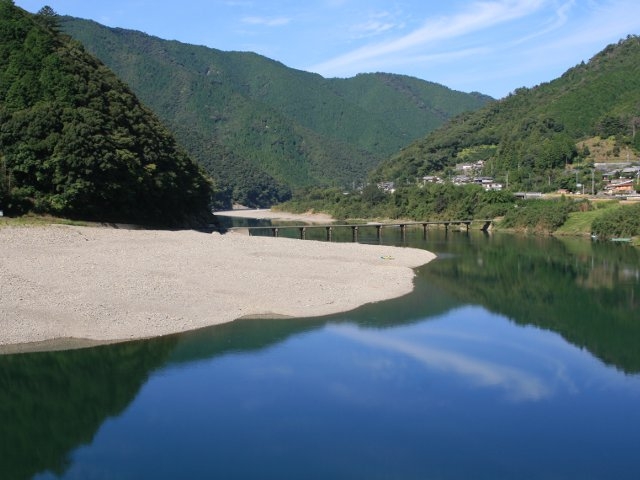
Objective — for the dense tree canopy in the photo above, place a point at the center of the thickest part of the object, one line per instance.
(74, 141)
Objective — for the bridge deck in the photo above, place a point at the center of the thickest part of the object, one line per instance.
(275, 229)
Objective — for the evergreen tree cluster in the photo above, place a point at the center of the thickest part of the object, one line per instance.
(76, 142)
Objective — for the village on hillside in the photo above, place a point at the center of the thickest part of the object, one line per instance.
(617, 179)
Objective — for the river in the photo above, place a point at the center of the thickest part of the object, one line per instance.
(513, 357)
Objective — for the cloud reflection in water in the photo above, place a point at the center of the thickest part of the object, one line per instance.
(520, 384)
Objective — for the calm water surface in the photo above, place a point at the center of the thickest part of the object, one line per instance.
(513, 358)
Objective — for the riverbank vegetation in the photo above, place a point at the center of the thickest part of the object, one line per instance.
(558, 215)
(622, 222)
(433, 201)
(29, 220)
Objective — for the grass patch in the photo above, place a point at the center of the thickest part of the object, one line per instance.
(579, 223)
(38, 220)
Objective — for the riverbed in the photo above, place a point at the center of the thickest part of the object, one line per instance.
(513, 357)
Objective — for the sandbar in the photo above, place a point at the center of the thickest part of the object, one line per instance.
(267, 213)
(93, 284)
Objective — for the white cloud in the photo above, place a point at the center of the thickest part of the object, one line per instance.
(372, 27)
(436, 58)
(559, 18)
(376, 24)
(479, 16)
(269, 22)
(602, 23)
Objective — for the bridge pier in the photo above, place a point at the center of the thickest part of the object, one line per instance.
(354, 233)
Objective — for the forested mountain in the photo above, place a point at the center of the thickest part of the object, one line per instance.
(76, 142)
(261, 128)
(529, 138)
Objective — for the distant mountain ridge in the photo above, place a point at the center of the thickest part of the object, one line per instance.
(528, 139)
(261, 128)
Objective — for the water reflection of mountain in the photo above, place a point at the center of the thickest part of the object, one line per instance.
(588, 293)
(53, 402)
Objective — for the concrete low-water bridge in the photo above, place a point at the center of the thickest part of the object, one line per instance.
(356, 227)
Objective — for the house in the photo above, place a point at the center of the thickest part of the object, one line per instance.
(470, 167)
(488, 183)
(611, 166)
(619, 187)
(431, 179)
(388, 187)
(630, 172)
(462, 180)
(492, 186)
(464, 167)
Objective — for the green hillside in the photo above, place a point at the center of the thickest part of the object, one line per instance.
(75, 141)
(530, 138)
(261, 128)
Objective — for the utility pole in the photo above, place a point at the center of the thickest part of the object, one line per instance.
(5, 185)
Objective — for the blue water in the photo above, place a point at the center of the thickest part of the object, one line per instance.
(440, 384)
(465, 395)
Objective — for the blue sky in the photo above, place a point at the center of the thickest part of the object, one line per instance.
(490, 46)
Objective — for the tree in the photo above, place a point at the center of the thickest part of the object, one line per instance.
(4, 187)
(610, 126)
(635, 123)
(49, 18)
(372, 194)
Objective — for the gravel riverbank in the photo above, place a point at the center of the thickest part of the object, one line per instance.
(104, 284)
